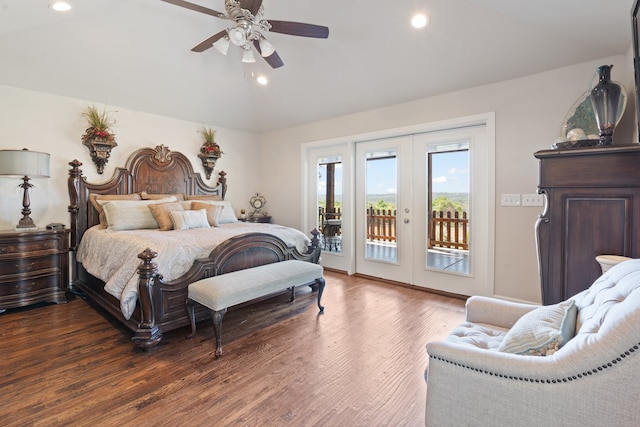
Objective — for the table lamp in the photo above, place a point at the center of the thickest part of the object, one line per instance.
(24, 163)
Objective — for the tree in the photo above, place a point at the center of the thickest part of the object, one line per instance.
(444, 204)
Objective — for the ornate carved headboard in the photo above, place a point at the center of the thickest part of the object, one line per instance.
(154, 170)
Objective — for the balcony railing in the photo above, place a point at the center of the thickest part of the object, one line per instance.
(381, 225)
(447, 229)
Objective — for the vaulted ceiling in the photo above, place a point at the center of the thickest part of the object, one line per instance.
(136, 54)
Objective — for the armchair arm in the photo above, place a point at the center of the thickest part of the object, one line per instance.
(499, 364)
(496, 312)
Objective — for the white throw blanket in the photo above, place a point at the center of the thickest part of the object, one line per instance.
(112, 256)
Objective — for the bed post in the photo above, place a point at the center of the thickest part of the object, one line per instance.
(148, 334)
(74, 176)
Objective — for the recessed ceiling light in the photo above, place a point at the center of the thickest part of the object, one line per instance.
(420, 20)
(60, 6)
(262, 80)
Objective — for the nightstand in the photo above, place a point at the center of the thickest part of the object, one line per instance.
(262, 219)
(34, 267)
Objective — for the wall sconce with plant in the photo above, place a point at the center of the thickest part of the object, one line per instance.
(98, 137)
(210, 151)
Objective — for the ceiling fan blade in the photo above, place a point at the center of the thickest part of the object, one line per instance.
(197, 8)
(251, 5)
(207, 43)
(273, 59)
(299, 29)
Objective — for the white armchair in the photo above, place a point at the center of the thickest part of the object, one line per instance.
(592, 380)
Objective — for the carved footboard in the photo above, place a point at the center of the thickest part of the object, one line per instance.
(162, 304)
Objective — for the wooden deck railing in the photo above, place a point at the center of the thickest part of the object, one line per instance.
(381, 225)
(447, 230)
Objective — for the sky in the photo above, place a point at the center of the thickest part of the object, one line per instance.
(450, 175)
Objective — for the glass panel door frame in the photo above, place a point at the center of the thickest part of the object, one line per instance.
(310, 155)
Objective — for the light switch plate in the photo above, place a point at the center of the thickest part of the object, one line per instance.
(510, 200)
(532, 200)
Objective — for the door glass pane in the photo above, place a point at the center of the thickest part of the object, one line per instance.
(382, 201)
(329, 203)
(448, 210)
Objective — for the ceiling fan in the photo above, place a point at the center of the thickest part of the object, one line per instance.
(249, 29)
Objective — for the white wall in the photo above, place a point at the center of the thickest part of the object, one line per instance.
(54, 124)
(529, 113)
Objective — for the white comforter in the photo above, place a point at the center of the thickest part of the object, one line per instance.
(112, 256)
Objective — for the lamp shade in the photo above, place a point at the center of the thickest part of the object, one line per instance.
(247, 56)
(24, 163)
(222, 45)
(266, 48)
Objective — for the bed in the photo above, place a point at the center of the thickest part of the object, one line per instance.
(159, 293)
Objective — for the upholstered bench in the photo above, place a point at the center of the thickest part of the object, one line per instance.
(218, 293)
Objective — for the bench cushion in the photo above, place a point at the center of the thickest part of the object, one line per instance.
(233, 288)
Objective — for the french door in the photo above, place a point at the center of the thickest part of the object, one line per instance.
(384, 208)
(423, 210)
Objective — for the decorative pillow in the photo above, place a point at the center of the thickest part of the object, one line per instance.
(228, 215)
(94, 198)
(543, 331)
(130, 214)
(146, 196)
(185, 220)
(202, 197)
(213, 212)
(160, 212)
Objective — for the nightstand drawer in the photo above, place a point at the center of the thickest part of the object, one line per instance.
(29, 290)
(27, 265)
(48, 243)
(30, 284)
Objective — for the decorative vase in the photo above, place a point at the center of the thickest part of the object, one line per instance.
(607, 103)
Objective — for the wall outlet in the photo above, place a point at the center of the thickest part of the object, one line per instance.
(532, 200)
(510, 200)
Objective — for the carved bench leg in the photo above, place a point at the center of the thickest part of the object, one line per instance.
(293, 293)
(320, 282)
(192, 316)
(217, 328)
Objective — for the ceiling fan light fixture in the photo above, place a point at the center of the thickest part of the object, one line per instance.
(266, 48)
(222, 45)
(247, 56)
(237, 36)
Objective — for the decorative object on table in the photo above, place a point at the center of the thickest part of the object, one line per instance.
(98, 137)
(243, 213)
(608, 104)
(210, 151)
(580, 128)
(257, 202)
(248, 30)
(24, 163)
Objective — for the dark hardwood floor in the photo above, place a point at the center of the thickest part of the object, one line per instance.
(361, 363)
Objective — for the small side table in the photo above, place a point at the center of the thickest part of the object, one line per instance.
(261, 219)
(34, 267)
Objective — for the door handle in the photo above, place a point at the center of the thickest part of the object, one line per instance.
(406, 220)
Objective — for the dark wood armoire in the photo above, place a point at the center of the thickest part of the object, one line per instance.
(592, 208)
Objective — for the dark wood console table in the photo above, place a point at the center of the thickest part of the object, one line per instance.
(593, 208)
